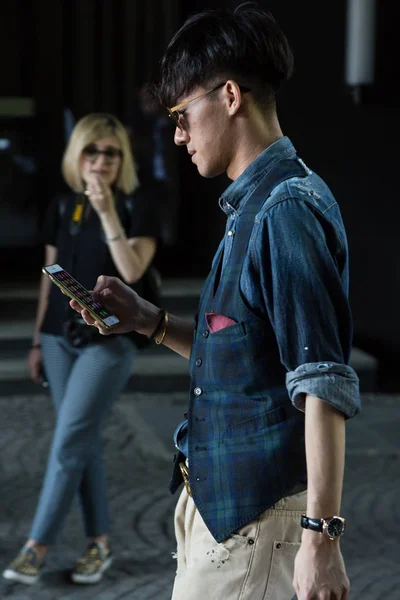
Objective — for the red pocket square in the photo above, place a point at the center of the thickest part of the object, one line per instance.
(216, 322)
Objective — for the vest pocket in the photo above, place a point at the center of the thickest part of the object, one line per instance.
(258, 423)
(233, 332)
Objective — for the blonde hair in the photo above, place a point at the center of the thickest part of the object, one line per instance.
(87, 130)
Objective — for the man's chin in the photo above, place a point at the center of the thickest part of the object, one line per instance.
(209, 173)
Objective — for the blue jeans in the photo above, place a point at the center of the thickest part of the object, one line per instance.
(84, 383)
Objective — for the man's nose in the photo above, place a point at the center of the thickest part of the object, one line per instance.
(181, 137)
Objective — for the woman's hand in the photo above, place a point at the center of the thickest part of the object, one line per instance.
(99, 194)
(35, 363)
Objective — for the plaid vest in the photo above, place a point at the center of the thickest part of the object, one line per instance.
(246, 440)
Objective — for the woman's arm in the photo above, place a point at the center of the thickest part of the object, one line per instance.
(35, 354)
(131, 256)
(44, 290)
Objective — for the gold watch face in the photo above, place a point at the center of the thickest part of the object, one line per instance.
(334, 527)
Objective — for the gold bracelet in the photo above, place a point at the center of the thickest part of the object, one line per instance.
(159, 323)
(160, 341)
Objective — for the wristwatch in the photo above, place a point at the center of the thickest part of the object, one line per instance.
(332, 527)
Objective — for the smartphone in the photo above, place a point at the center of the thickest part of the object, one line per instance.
(75, 290)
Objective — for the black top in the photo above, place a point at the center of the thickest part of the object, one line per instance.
(83, 251)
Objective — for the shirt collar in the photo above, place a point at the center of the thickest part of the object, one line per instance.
(236, 195)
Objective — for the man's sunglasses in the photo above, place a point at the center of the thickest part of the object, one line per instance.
(92, 153)
(175, 111)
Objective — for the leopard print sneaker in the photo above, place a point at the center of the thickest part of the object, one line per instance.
(25, 568)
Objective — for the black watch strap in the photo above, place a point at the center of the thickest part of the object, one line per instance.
(313, 524)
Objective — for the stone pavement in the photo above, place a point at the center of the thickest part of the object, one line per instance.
(371, 545)
(138, 452)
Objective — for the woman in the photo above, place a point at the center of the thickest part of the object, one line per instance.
(105, 224)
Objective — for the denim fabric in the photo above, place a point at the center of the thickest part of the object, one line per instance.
(84, 384)
(296, 273)
(327, 381)
(180, 437)
(245, 438)
(284, 280)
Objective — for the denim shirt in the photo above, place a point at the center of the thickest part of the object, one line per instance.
(296, 275)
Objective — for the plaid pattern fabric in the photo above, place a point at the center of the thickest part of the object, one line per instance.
(246, 440)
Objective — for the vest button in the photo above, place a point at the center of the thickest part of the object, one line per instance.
(198, 362)
(198, 391)
(206, 333)
(230, 233)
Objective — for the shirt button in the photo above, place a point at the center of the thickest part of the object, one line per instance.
(198, 362)
(198, 391)
(206, 333)
(230, 233)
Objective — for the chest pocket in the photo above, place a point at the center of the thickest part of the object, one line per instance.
(237, 357)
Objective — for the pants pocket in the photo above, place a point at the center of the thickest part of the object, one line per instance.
(280, 579)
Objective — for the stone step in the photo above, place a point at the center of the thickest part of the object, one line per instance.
(162, 384)
(147, 365)
(366, 367)
(157, 368)
(16, 334)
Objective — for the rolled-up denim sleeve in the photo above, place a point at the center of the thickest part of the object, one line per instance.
(336, 384)
(305, 280)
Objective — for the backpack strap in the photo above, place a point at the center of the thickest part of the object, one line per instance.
(62, 205)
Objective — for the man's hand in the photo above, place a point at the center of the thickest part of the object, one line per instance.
(121, 301)
(319, 571)
(137, 314)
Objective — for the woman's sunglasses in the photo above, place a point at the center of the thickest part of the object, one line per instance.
(92, 153)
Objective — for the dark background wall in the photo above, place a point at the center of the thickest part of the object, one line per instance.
(91, 55)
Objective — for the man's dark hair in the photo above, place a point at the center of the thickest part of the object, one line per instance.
(245, 44)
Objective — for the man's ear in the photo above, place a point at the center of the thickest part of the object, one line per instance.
(233, 95)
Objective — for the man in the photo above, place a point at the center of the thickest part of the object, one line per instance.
(269, 350)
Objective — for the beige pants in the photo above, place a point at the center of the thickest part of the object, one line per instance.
(255, 564)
